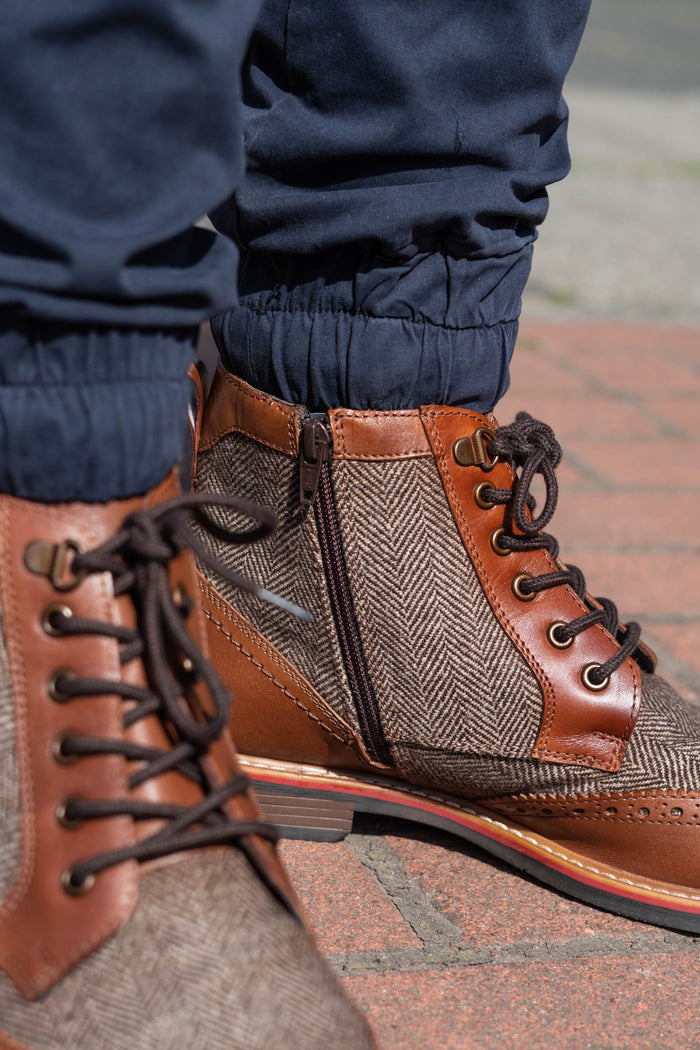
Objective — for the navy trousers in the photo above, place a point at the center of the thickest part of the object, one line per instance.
(397, 155)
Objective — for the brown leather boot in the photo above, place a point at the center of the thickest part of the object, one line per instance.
(142, 903)
(456, 672)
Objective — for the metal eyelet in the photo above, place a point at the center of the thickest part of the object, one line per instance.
(73, 888)
(495, 536)
(54, 610)
(57, 751)
(516, 587)
(555, 642)
(595, 687)
(479, 491)
(52, 686)
(71, 823)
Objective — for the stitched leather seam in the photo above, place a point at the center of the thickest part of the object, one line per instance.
(596, 804)
(636, 700)
(291, 430)
(341, 427)
(271, 677)
(607, 818)
(605, 736)
(270, 405)
(371, 413)
(607, 796)
(378, 457)
(582, 760)
(262, 643)
(409, 453)
(234, 428)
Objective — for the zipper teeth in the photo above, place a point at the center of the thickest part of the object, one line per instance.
(346, 623)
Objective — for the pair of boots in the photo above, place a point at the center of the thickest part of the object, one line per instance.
(454, 672)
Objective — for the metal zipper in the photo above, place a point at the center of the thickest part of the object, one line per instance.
(314, 450)
(316, 490)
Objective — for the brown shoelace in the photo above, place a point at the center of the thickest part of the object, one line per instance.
(530, 448)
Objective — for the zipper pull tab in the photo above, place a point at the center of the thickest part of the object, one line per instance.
(314, 451)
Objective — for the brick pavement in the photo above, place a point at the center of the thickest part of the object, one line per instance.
(445, 947)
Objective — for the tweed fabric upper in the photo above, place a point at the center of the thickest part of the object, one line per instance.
(445, 674)
(288, 562)
(10, 816)
(208, 961)
(663, 753)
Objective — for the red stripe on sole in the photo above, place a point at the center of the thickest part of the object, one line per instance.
(495, 828)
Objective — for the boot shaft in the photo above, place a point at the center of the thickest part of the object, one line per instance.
(421, 641)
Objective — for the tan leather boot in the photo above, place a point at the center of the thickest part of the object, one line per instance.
(456, 673)
(142, 903)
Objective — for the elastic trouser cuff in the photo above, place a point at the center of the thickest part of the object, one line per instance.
(90, 415)
(340, 360)
(427, 330)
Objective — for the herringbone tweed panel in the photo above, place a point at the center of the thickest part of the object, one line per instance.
(288, 562)
(10, 826)
(663, 753)
(209, 961)
(445, 674)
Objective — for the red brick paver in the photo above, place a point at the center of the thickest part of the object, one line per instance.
(613, 1003)
(495, 908)
(367, 919)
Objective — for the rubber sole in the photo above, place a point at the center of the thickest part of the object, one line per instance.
(309, 802)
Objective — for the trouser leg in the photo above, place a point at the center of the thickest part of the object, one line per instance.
(397, 164)
(120, 126)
